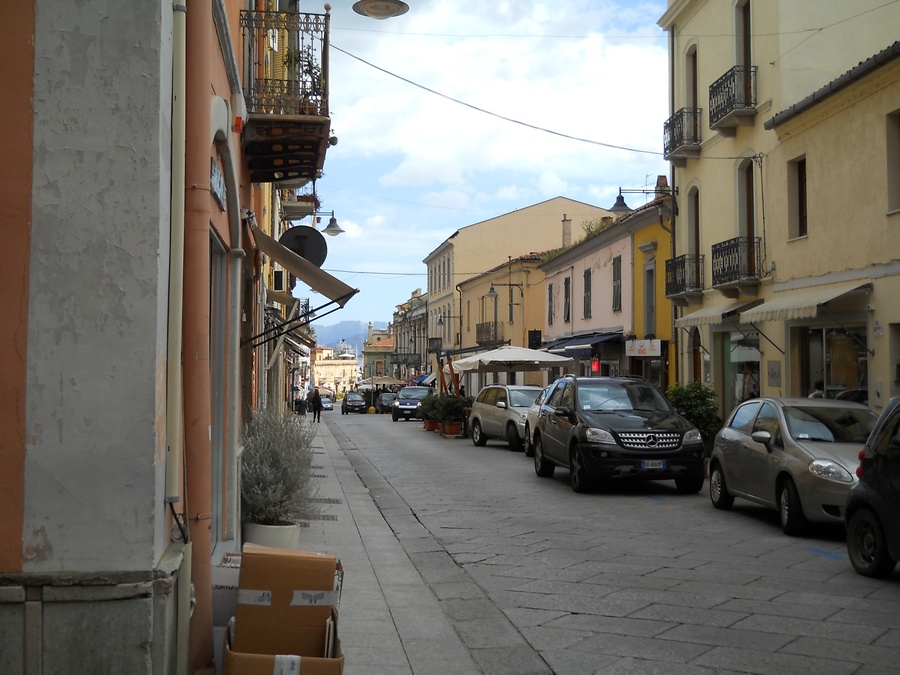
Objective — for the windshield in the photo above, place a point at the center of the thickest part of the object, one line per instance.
(355, 397)
(831, 424)
(611, 396)
(417, 393)
(522, 398)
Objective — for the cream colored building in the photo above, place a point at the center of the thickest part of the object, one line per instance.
(475, 248)
(337, 372)
(784, 152)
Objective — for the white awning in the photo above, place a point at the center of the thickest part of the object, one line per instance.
(714, 314)
(333, 289)
(798, 304)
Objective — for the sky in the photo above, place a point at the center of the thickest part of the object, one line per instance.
(462, 110)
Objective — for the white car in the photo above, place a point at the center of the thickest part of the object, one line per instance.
(531, 421)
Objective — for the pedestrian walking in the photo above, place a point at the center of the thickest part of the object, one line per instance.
(317, 406)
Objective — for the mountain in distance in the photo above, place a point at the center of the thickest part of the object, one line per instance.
(354, 333)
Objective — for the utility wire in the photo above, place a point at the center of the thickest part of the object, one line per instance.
(493, 114)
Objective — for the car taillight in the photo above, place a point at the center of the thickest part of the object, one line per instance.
(860, 470)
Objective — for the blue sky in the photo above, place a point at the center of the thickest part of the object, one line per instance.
(412, 166)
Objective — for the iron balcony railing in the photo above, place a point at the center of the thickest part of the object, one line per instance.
(488, 332)
(435, 345)
(681, 131)
(684, 275)
(732, 94)
(402, 359)
(735, 260)
(285, 62)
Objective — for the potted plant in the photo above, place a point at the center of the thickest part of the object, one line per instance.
(449, 411)
(278, 489)
(697, 404)
(428, 412)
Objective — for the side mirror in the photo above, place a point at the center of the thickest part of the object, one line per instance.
(763, 437)
(563, 411)
(501, 404)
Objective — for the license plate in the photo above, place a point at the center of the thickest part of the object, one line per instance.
(653, 464)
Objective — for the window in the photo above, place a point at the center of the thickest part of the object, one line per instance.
(893, 161)
(617, 284)
(797, 220)
(649, 301)
(587, 293)
(567, 295)
(549, 303)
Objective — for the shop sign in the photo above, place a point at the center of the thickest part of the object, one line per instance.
(643, 348)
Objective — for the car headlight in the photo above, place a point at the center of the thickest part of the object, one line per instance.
(599, 436)
(829, 470)
(396, 404)
(693, 436)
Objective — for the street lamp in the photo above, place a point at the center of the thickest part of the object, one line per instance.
(494, 295)
(332, 229)
(380, 9)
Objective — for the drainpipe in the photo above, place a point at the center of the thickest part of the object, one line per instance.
(197, 404)
(174, 401)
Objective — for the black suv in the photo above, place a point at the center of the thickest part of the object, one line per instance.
(601, 428)
(873, 505)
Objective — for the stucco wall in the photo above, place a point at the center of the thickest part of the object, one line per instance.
(97, 318)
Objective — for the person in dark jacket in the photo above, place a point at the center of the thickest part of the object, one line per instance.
(317, 406)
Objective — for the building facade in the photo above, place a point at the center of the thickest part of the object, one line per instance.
(759, 171)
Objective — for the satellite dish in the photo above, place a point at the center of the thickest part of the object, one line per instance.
(307, 242)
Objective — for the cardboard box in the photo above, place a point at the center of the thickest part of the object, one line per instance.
(285, 600)
(238, 663)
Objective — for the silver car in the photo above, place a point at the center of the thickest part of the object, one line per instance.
(499, 412)
(531, 418)
(795, 455)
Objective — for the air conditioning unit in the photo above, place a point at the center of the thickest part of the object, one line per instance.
(278, 281)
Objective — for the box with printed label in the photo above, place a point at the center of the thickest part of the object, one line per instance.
(286, 599)
(239, 663)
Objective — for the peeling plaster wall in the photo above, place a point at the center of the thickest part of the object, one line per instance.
(97, 319)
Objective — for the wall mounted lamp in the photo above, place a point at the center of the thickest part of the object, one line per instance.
(380, 9)
(332, 229)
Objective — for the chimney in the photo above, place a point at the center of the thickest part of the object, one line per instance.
(566, 231)
(662, 182)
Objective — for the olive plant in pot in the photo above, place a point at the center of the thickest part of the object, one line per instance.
(428, 412)
(449, 411)
(278, 489)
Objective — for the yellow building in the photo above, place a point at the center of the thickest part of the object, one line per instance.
(770, 176)
(484, 245)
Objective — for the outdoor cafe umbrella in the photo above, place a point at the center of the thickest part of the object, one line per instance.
(508, 359)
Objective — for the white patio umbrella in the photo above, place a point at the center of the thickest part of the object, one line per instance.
(508, 359)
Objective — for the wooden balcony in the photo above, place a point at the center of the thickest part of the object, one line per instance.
(288, 126)
(732, 100)
(681, 136)
(684, 279)
(736, 266)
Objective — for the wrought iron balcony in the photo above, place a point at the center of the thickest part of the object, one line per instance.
(732, 99)
(488, 332)
(681, 135)
(287, 129)
(401, 359)
(736, 265)
(684, 277)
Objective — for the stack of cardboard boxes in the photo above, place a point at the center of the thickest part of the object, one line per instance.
(286, 614)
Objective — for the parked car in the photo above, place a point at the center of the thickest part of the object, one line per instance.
(327, 403)
(531, 421)
(385, 401)
(604, 428)
(499, 412)
(857, 395)
(795, 455)
(353, 402)
(407, 403)
(872, 513)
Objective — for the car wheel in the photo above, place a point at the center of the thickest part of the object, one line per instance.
(792, 519)
(867, 546)
(528, 447)
(478, 437)
(718, 492)
(512, 437)
(542, 467)
(578, 476)
(690, 484)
